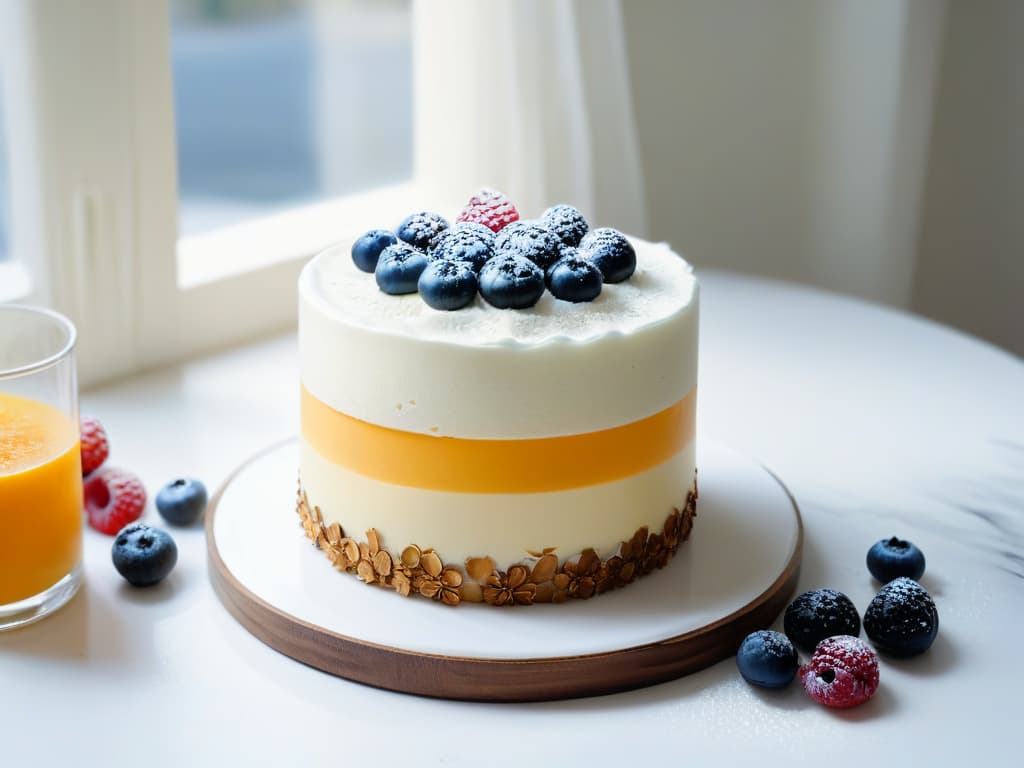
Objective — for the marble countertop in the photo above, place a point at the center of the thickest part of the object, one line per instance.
(880, 424)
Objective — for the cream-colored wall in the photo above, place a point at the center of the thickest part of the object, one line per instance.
(791, 139)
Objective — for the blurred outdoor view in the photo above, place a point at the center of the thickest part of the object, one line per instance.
(5, 186)
(284, 102)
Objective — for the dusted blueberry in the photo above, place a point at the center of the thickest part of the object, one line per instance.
(767, 659)
(611, 252)
(891, 558)
(366, 250)
(566, 222)
(902, 619)
(507, 233)
(465, 243)
(399, 268)
(818, 614)
(182, 501)
(574, 279)
(532, 240)
(143, 555)
(511, 282)
(422, 229)
(480, 229)
(448, 284)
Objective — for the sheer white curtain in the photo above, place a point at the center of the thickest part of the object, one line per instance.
(531, 97)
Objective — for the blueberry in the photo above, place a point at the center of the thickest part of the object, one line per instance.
(902, 619)
(480, 229)
(767, 659)
(422, 229)
(566, 223)
(818, 614)
(465, 243)
(511, 282)
(399, 268)
(448, 284)
(182, 501)
(611, 252)
(143, 555)
(889, 559)
(574, 279)
(366, 250)
(530, 239)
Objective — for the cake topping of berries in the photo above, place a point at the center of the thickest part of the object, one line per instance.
(566, 223)
(95, 446)
(367, 249)
(421, 230)
(574, 279)
(611, 252)
(891, 558)
(842, 672)
(767, 659)
(448, 285)
(464, 242)
(399, 268)
(489, 208)
(818, 614)
(511, 282)
(902, 619)
(533, 241)
(143, 555)
(113, 498)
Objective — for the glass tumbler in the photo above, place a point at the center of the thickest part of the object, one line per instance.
(40, 465)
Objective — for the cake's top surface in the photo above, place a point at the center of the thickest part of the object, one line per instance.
(662, 286)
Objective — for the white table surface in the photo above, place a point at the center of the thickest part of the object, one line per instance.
(879, 423)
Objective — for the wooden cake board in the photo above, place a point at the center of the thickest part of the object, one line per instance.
(734, 575)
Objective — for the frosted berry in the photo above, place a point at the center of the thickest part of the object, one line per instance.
(818, 614)
(143, 555)
(889, 559)
(490, 208)
(181, 501)
(421, 230)
(533, 241)
(511, 282)
(366, 250)
(902, 619)
(566, 223)
(574, 279)
(767, 659)
(611, 252)
(842, 672)
(113, 498)
(95, 446)
(448, 285)
(464, 242)
(399, 268)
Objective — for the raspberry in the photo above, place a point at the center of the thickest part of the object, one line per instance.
(113, 498)
(490, 208)
(843, 672)
(95, 447)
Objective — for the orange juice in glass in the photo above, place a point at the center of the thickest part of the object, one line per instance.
(40, 465)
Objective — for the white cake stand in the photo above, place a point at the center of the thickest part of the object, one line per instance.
(734, 575)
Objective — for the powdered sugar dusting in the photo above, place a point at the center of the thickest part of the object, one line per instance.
(662, 286)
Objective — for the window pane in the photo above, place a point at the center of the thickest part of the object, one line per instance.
(285, 102)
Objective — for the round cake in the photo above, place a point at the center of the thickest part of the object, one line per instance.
(503, 456)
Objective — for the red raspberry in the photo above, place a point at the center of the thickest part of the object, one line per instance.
(842, 672)
(113, 498)
(95, 447)
(490, 208)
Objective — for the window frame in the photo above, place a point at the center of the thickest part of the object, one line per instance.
(101, 153)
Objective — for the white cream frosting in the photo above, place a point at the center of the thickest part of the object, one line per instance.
(480, 372)
(503, 526)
